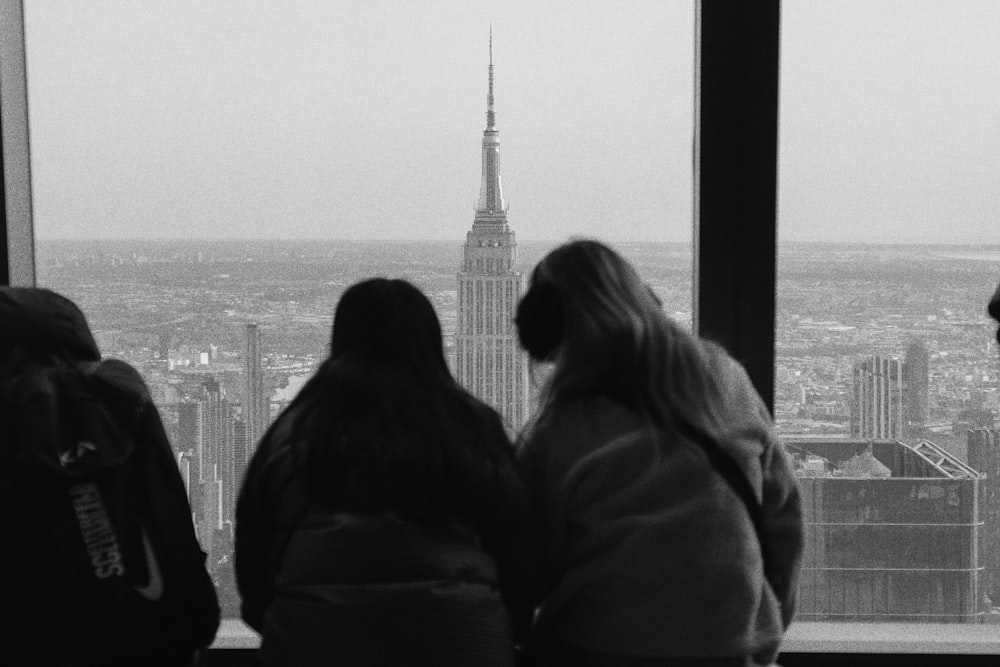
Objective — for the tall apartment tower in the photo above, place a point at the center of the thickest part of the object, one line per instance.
(255, 407)
(877, 399)
(488, 361)
(242, 449)
(916, 376)
(206, 435)
(191, 444)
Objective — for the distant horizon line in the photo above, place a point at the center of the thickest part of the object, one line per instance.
(988, 245)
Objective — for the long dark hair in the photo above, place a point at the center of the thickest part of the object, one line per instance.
(607, 334)
(383, 425)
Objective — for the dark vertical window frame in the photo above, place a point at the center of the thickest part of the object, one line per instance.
(4, 258)
(736, 180)
(737, 44)
(17, 256)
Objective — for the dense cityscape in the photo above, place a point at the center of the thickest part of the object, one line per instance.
(838, 304)
(887, 369)
(190, 316)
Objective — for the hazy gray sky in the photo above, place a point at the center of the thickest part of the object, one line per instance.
(890, 120)
(363, 119)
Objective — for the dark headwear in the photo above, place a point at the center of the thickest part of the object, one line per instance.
(45, 321)
(994, 309)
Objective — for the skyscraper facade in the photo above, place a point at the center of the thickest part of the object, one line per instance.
(190, 445)
(984, 456)
(877, 398)
(488, 361)
(916, 376)
(255, 408)
(208, 462)
(212, 450)
(893, 532)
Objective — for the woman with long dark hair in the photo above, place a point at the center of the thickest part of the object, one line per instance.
(374, 518)
(644, 438)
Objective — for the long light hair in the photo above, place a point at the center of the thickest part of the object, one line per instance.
(617, 342)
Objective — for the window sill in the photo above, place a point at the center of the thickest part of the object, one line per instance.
(923, 638)
(804, 637)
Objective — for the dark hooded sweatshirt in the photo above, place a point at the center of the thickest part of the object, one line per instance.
(44, 336)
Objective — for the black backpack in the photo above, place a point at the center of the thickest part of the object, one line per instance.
(99, 558)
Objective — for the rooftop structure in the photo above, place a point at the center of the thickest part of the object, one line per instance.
(892, 532)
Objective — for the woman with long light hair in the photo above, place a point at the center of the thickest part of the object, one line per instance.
(668, 515)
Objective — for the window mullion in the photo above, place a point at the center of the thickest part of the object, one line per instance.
(17, 254)
(735, 171)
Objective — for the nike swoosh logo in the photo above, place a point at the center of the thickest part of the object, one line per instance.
(153, 589)
(68, 457)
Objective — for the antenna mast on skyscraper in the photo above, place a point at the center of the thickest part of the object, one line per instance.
(490, 115)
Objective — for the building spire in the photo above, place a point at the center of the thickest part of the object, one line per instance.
(490, 194)
(490, 114)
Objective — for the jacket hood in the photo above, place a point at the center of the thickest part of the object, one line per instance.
(45, 320)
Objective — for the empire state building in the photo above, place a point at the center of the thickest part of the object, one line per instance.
(488, 361)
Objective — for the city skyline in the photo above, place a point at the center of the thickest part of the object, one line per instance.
(178, 311)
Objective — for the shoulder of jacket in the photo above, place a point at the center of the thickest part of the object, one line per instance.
(734, 382)
(748, 420)
(583, 419)
(274, 455)
(722, 362)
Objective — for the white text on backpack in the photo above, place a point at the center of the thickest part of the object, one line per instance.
(98, 533)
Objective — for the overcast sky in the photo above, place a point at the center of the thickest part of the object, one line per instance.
(293, 119)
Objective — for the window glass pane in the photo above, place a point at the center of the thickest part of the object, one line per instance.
(886, 387)
(209, 178)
